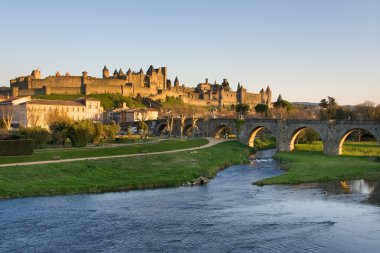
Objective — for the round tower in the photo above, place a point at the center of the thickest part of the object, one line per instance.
(269, 96)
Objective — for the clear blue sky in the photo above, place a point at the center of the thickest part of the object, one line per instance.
(305, 50)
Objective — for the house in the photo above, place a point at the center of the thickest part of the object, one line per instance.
(10, 110)
(38, 112)
(122, 115)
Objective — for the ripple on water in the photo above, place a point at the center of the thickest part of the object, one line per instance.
(227, 215)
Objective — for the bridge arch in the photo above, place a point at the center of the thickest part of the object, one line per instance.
(294, 134)
(161, 128)
(256, 130)
(188, 130)
(221, 130)
(342, 138)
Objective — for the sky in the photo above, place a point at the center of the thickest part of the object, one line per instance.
(304, 50)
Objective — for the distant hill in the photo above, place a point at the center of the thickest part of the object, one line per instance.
(308, 104)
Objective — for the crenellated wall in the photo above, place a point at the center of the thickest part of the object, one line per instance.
(153, 84)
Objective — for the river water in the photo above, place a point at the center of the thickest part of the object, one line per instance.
(229, 214)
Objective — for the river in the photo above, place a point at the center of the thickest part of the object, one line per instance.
(228, 214)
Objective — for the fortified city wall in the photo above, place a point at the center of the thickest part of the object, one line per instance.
(153, 84)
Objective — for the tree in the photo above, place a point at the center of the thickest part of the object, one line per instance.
(79, 134)
(98, 132)
(324, 103)
(308, 135)
(168, 113)
(55, 116)
(111, 130)
(242, 109)
(262, 109)
(7, 117)
(366, 111)
(142, 127)
(195, 112)
(183, 114)
(281, 105)
(59, 130)
(2, 125)
(331, 101)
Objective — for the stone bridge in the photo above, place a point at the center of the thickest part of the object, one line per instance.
(332, 133)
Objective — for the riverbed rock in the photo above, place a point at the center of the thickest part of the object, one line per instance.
(198, 181)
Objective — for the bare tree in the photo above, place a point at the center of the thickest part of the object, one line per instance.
(168, 113)
(196, 112)
(34, 118)
(7, 117)
(57, 116)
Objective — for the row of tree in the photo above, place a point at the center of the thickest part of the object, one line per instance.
(80, 133)
(331, 110)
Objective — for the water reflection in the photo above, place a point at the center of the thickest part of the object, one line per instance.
(369, 189)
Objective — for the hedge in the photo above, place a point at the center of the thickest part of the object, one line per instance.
(16, 147)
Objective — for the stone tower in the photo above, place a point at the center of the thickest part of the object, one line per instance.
(168, 84)
(106, 72)
(262, 96)
(36, 74)
(176, 84)
(269, 96)
(221, 93)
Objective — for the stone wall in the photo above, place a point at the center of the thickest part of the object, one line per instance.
(153, 84)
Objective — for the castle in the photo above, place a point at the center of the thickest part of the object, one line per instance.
(153, 84)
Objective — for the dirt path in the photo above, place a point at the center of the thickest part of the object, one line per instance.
(211, 143)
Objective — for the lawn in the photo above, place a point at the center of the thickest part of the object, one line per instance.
(50, 154)
(308, 164)
(364, 148)
(120, 174)
(265, 142)
(108, 101)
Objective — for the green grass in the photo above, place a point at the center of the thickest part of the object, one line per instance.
(364, 148)
(265, 142)
(119, 174)
(45, 155)
(307, 165)
(108, 101)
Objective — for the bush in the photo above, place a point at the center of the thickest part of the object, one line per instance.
(80, 134)
(16, 147)
(40, 136)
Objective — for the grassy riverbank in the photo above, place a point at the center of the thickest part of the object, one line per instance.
(119, 174)
(308, 165)
(51, 154)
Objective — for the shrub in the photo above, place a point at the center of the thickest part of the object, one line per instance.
(38, 134)
(16, 147)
